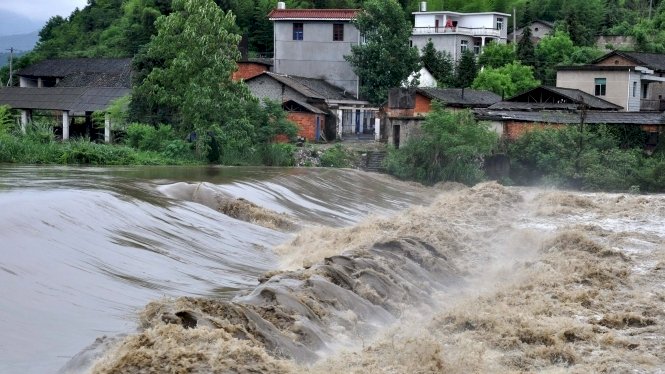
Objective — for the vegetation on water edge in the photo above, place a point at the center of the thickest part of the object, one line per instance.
(452, 146)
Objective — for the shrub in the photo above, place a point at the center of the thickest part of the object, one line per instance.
(451, 148)
(335, 157)
(278, 154)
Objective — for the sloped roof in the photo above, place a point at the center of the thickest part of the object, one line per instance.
(592, 117)
(76, 99)
(313, 14)
(303, 105)
(653, 61)
(120, 80)
(311, 88)
(59, 68)
(554, 95)
(453, 96)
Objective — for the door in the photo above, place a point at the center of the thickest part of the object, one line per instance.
(396, 136)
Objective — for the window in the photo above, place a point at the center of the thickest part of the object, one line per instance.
(634, 89)
(338, 32)
(601, 86)
(499, 23)
(476, 47)
(298, 31)
(645, 90)
(464, 45)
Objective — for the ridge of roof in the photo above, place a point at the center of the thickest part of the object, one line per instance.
(331, 14)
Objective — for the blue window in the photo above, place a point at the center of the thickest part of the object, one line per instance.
(600, 86)
(298, 31)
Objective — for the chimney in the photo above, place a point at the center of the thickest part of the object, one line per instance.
(281, 5)
(423, 6)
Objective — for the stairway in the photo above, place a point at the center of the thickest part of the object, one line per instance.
(375, 161)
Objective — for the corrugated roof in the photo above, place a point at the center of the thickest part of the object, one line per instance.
(551, 95)
(76, 99)
(453, 96)
(313, 14)
(58, 68)
(592, 117)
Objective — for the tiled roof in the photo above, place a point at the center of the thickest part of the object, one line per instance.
(311, 88)
(304, 105)
(592, 117)
(653, 61)
(453, 96)
(556, 95)
(314, 14)
(76, 99)
(60, 68)
(120, 80)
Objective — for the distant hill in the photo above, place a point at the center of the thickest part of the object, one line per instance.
(22, 42)
(14, 24)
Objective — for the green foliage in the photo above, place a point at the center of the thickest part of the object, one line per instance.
(6, 119)
(335, 157)
(466, 70)
(198, 49)
(590, 158)
(451, 148)
(506, 81)
(439, 63)
(582, 20)
(277, 154)
(496, 55)
(559, 49)
(387, 34)
(526, 52)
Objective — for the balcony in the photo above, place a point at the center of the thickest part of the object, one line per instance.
(470, 31)
(652, 105)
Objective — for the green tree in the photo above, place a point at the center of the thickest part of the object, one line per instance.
(553, 50)
(438, 63)
(466, 70)
(385, 60)
(496, 55)
(199, 51)
(451, 148)
(507, 80)
(525, 49)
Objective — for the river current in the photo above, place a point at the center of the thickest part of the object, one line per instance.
(194, 269)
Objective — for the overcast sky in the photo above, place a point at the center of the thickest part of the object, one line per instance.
(41, 10)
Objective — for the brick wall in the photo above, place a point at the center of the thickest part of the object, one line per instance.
(423, 105)
(307, 124)
(248, 70)
(513, 130)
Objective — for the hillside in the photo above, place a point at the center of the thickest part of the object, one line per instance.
(21, 42)
(12, 24)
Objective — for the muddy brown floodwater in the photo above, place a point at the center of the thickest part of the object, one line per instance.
(487, 279)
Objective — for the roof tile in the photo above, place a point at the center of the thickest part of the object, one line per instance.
(331, 14)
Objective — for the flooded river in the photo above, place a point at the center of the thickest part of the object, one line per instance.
(316, 270)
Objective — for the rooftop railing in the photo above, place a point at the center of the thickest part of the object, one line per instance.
(472, 31)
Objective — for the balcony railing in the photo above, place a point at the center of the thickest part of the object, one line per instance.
(652, 105)
(472, 31)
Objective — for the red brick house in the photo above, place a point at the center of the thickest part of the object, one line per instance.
(250, 68)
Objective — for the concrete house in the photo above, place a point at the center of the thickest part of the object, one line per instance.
(312, 43)
(539, 30)
(321, 110)
(632, 80)
(71, 89)
(456, 32)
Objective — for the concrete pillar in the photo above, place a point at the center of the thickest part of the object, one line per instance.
(354, 118)
(65, 125)
(340, 118)
(362, 121)
(107, 128)
(25, 118)
(40, 83)
(482, 41)
(377, 129)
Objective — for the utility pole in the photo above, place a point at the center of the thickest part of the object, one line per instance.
(650, 7)
(515, 28)
(11, 67)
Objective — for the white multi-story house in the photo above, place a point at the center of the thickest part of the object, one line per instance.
(455, 32)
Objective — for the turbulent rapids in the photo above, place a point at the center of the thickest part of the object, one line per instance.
(358, 273)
